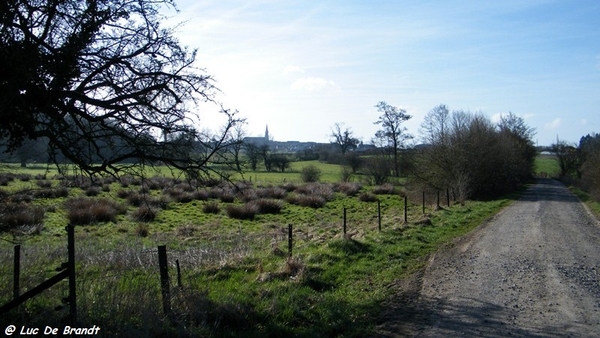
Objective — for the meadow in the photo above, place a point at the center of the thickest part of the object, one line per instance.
(231, 244)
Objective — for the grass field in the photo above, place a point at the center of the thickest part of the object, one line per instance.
(237, 279)
(546, 164)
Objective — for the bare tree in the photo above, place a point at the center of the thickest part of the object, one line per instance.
(105, 84)
(343, 137)
(436, 126)
(393, 131)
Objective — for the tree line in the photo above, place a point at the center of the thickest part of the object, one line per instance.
(580, 163)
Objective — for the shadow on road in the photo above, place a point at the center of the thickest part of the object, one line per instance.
(547, 189)
(466, 317)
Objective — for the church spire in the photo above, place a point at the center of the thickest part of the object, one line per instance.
(267, 133)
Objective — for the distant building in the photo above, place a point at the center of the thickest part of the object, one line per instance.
(285, 147)
(259, 140)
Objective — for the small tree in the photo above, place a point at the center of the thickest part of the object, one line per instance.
(344, 139)
(393, 132)
(310, 173)
(253, 154)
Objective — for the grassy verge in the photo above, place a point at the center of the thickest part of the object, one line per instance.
(237, 279)
(585, 197)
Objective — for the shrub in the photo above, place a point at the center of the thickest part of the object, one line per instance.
(310, 173)
(51, 193)
(142, 230)
(211, 208)
(136, 199)
(268, 206)
(367, 197)
(6, 178)
(82, 210)
(24, 177)
(124, 193)
(323, 190)
(246, 211)
(271, 192)
(43, 183)
(19, 214)
(349, 189)
(313, 201)
(144, 214)
(288, 187)
(227, 197)
(385, 189)
(92, 191)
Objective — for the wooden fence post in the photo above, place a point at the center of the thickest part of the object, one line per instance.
(344, 222)
(448, 197)
(405, 209)
(379, 214)
(72, 279)
(290, 240)
(16, 271)
(179, 284)
(164, 279)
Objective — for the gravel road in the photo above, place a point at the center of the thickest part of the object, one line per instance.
(531, 271)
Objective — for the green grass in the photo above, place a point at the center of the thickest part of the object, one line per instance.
(237, 279)
(546, 164)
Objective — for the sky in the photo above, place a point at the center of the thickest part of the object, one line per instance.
(302, 66)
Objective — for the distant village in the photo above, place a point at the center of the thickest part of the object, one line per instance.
(295, 146)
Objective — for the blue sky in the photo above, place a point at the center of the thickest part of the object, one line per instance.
(302, 66)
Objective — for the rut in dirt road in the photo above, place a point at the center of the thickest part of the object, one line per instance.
(531, 271)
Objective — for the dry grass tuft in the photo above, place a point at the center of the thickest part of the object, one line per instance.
(211, 207)
(82, 210)
(267, 205)
(385, 189)
(144, 214)
(243, 212)
(367, 197)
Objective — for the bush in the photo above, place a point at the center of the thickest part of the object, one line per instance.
(349, 189)
(310, 173)
(82, 210)
(211, 208)
(43, 183)
(367, 197)
(227, 197)
(144, 214)
(19, 214)
(92, 191)
(246, 211)
(313, 201)
(51, 193)
(271, 192)
(323, 190)
(142, 230)
(267, 206)
(385, 189)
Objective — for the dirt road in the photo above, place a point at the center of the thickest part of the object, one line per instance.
(531, 271)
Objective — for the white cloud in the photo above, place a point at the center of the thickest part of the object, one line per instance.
(312, 84)
(496, 117)
(555, 124)
(293, 70)
(528, 116)
(584, 121)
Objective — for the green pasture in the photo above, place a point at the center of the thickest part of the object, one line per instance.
(237, 278)
(546, 164)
